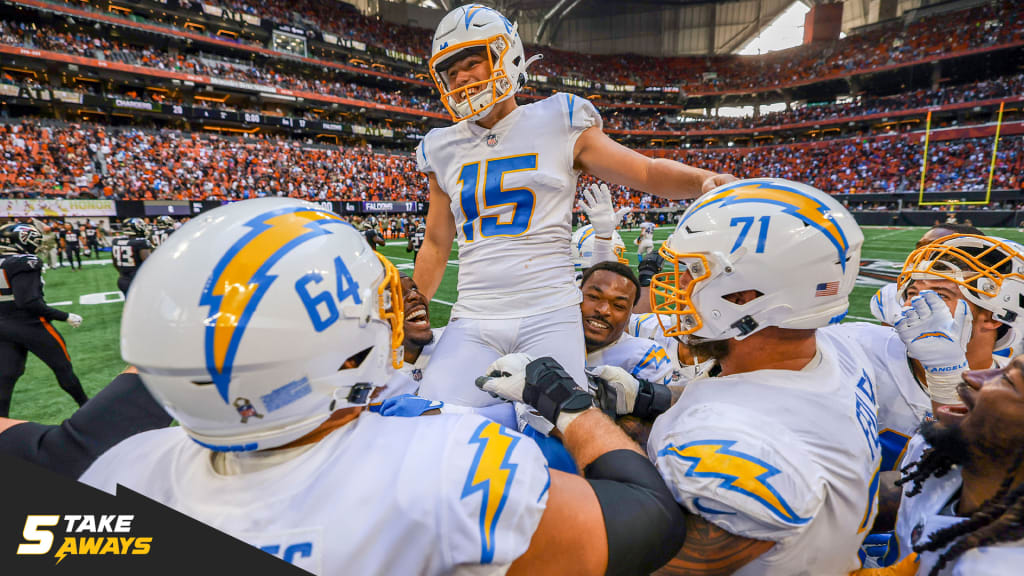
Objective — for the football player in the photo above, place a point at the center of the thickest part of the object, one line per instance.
(72, 245)
(285, 322)
(416, 240)
(963, 500)
(776, 455)
(963, 296)
(163, 226)
(420, 338)
(886, 304)
(645, 241)
(129, 251)
(609, 291)
(25, 318)
(92, 238)
(502, 180)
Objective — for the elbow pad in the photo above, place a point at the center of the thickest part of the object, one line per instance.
(644, 524)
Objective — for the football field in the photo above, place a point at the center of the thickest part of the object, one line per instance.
(94, 347)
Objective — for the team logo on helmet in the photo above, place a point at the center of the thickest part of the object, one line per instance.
(794, 202)
(242, 277)
(245, 409)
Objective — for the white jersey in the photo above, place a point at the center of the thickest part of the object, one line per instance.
(647, 228)
(647, 326)
(903, 401)
(415, 370)
(786, 456)
(438, 495)
(512, 189)
(642, 358)
(931, 510)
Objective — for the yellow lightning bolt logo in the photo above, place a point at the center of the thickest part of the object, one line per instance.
(739, 472)
(793, 202)
(240, 279)
(491, 474)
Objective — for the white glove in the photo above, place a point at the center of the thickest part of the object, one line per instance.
(597, 204)
(506, 377)
(74, 320)
(886, 306)
(625, 386)
(938, 340)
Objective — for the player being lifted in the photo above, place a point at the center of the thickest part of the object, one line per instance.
(503, 180)
(128, 252)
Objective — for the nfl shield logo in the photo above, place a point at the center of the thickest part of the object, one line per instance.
(417, 374)
(492, 140)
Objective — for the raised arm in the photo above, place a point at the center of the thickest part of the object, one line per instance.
(437, 243)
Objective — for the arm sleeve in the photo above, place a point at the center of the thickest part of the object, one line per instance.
(747, 475)
(603, 251)
(495, 490)
(120, 410)
(28, 294)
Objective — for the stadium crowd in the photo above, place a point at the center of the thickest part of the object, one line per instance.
(131, 163)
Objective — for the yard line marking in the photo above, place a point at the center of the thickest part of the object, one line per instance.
(65, 303)
(443, 302)
(863, 318)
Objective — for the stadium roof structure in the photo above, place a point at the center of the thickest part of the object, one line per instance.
(709, 26)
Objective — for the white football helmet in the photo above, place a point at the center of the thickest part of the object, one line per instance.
(793, 244)
(475, 26)
(256, 320)
(989, 272)
(583, 247)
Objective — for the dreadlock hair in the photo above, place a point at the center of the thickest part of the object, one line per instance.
(999, 519)
(932, 463)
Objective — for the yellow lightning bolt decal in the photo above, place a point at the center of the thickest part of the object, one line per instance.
(491, 474)
(241, 277)
(793, 201)
(739, 472)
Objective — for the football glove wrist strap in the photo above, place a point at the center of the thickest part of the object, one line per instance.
(651, 400)
(554, 393)
(942, 385)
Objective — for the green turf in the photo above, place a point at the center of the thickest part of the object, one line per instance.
(94, 346)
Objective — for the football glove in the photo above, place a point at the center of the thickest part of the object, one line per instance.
(649, 266)
(74, 320)
(541, 383)
(938, 340)
(885, 305)
(597, 204)
(618, 393)
(406, 406)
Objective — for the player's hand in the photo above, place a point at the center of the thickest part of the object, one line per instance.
(74, 320)
(544, 385)
(715, 181)
(597, 204)
(649, 266)
(406, 406)
(615, 389)
(885, 306)
(506, 377)
(938, 340)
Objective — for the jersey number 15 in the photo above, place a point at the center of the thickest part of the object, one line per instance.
(495, 195)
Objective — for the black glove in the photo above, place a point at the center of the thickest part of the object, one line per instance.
(649, 266)
(551, 391)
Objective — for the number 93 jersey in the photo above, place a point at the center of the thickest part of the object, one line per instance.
(512, 189)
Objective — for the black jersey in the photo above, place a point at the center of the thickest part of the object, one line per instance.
(90, 232)
(127, 254)
(417, 239)
(70, 236)
(21, 290)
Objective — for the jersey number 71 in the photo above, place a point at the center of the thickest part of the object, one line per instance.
(494, 195)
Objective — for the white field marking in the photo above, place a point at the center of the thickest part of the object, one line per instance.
(64, 303)
(446, 303)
